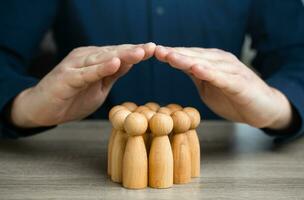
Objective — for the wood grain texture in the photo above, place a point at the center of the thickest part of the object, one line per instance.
(70, 162)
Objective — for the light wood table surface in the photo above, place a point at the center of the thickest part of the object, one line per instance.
(69, 162)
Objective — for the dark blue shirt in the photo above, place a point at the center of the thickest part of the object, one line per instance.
(275, 26)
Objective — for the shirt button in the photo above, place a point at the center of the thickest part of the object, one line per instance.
(160, 10)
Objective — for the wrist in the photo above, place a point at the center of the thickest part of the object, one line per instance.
(283, 119)
(20, 115)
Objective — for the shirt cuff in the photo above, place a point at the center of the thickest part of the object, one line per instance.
(295, 94)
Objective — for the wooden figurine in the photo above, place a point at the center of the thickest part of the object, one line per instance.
(148, 136)
(164, 110)
(112, 135)
(135, 160)
(130, 106)
(153, 106)
(194, 140)
(181, 148)
(174, 107)
(160, 157)
(119, 144)
(141, 108)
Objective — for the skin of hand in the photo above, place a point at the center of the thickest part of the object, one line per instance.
(229, 88)
(77, 86)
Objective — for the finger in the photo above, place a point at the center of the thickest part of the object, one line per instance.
(115, 47)
(228, 82)
(127, 63)
(76, 57)
(91, 58)
(97, 55)
(202, 53)
(149, 49)
(221, 65)
(132, 56)
(179, 61)
(161, 53)
(128, 59)
(87, 75)
(108, 52)
(209, 54)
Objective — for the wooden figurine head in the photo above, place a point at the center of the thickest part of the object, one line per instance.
(114, 110)
(136, 124)
(164, 110)
(194, 116)
(181, 121)
(118, 119)
(174, 107)
(153, 106)
(141, 108)
(148, 114)
(161, 124)
(130, 105)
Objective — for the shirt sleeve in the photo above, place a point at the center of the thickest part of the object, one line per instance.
(277, 31)
(22, 26)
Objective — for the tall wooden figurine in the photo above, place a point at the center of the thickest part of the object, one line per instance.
(112, 135)
(194, 140)
(181, 148)
(135, 160)
(148, 136)
(119, 145)
(160, 157)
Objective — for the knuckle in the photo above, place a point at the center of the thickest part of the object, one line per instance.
(90, 59)
(80, 77)
(77, 51)
(63, 70)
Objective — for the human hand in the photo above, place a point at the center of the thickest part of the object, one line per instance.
(230, 88)
(77, 86)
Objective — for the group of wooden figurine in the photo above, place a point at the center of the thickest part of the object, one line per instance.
(153, 145)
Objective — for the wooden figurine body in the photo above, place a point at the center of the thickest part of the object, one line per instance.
(194, 141)
(119, 145)
(195, 153)
(181, 148)
(160, 157)
(135, 160)
(110, 147)
(112, 136)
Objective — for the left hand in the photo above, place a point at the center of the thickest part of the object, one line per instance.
(230, 88)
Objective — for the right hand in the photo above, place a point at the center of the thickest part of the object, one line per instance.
(77, 86)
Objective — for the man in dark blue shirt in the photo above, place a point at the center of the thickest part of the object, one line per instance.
(84, 77)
